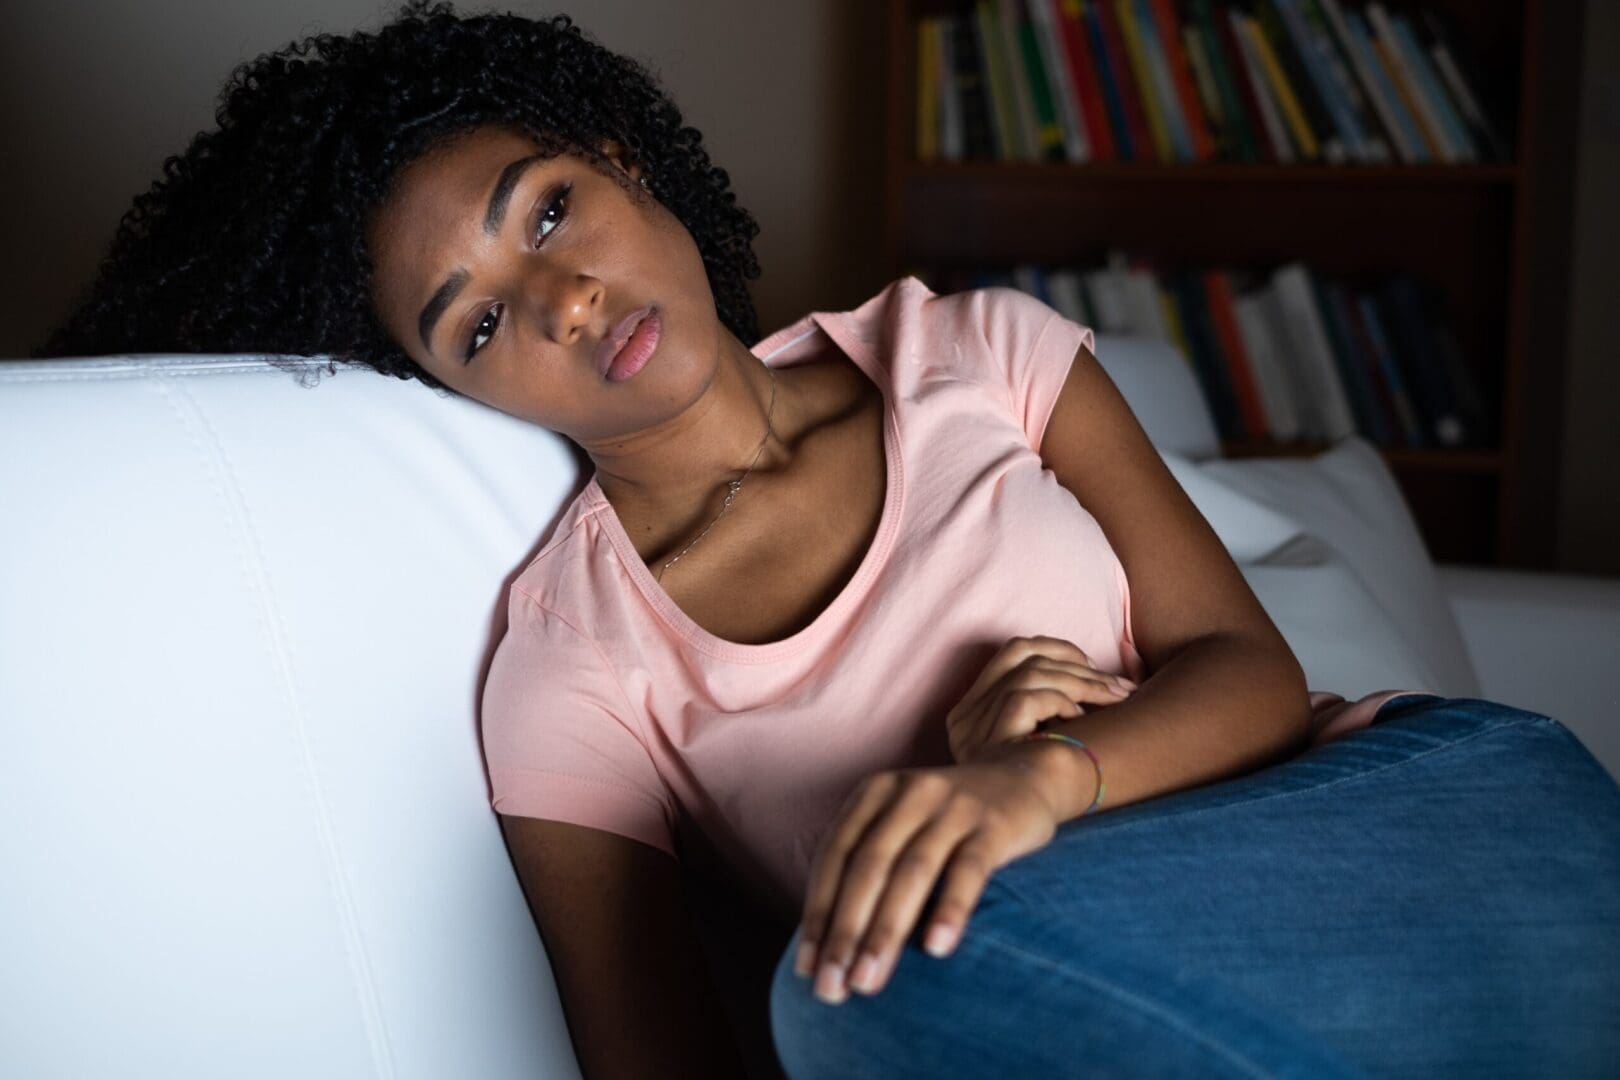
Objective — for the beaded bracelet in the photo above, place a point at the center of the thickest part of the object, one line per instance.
(1068, 738)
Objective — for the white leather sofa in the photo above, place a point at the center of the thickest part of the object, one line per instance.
(244, 620)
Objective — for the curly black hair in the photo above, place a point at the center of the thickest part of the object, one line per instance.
(253, 242)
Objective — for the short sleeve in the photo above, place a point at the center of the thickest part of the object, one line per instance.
(1032, 346)
(559, 737)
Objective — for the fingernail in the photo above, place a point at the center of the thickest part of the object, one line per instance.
(830, 984)
(804, 963)
(864, 977)
(940, 939)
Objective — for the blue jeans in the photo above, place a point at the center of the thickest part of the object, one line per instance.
(1436, 895)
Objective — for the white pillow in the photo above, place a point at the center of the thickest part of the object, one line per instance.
(1348, 498)
(1247, 529)
(1343, 637)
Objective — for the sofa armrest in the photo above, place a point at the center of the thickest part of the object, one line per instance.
(1545, 641)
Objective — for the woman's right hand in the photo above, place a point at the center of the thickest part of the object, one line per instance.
(1029, 680)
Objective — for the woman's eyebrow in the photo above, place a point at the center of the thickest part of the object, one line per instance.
(494, 218)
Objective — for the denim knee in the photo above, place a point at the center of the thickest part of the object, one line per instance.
(815, 1039)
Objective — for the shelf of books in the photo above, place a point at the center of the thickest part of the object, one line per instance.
(1316, 202)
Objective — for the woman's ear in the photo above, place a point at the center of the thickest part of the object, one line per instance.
(615, 152)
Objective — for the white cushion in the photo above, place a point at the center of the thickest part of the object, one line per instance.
(244, 820)
(1344, 638)
(1347, 497)
(1249, 530)
(1159, 386)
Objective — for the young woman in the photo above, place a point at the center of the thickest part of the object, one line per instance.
(895, 608)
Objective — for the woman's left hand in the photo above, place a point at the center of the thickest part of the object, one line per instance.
(881, 856)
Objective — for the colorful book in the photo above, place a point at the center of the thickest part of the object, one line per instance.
(1346, 83)
(1142, 77)
(1370, 328)
(1211, 107)
(1398, 121)
(1167, 28)
(1352, 372)
(1270, 364)
(1036, 102)
(1205, 353)
(1142, 142)
(1229, 79)
(1309, 339)
(1218, 299)
(1083, 74)
(1009, 132)
(1319, 70)
(1163, 85)
(1267, 106)
(1047, 30)
(972, 89)
(1330, 144)
(1428, 127)
(1433, 87)
(1299, 126)
(1108, 82)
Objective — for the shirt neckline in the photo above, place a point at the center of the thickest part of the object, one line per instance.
(859, 349)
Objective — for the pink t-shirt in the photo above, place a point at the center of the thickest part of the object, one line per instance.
(607, 706)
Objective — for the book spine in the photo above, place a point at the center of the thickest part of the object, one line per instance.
(1443, 422)
(1009, 136)
(1142, 76)
(1319, 70)
(1330, 146)
(1340, 68)
(1169, 34)
(951, 138)
(1309, 338)
(1406, 410)
(1108, 83)
(1273, 87)
(1218, 298)
(1229, 78)
(1276, 394)
(1083, 73)
(1434, 90)
(1125, 82)
(977, 134)
(1049, 134)
(927, 91)
(1023, 108)
(1405, 84)
(1048, 32)
(1462, 77)
(1398, 118)
(1212, 108)
(1205, 355)
(1354, 371)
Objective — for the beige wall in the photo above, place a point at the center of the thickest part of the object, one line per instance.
(95, 93)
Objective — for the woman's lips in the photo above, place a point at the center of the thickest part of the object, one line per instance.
(638, 349)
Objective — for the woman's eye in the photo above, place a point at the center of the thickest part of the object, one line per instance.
(558, 201)
(473, 344)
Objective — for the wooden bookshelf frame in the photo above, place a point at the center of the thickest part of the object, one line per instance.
(1491, 237)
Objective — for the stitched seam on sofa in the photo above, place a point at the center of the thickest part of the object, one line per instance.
(240, 521)
(153, 372)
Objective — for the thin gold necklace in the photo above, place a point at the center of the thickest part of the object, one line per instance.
(735, 485)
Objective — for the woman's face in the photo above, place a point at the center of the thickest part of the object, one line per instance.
(528, 267)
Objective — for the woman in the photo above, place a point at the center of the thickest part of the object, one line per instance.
(959, 606)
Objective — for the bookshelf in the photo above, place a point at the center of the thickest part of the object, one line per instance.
(1470, 231)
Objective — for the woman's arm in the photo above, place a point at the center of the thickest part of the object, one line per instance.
(1223, 693)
